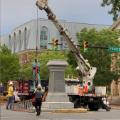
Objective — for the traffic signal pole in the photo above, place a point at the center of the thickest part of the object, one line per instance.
(100, 47)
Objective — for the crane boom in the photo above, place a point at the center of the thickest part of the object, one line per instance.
(87, 71)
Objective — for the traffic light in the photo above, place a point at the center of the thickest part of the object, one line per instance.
(53, 42)
(56, 42)
(85, 46)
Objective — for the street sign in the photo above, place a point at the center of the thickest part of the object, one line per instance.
(114, 49)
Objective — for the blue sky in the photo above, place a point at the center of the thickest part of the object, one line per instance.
(17, 12)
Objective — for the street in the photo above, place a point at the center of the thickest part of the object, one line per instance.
(99, 115)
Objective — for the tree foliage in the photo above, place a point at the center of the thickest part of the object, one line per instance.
(9, 65)
(43, 58)
(115, 10)
(97, 57)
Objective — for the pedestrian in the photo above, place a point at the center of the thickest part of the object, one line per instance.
(45, 94)
(38, 99)
(1, 89)
(16, 97)
(10, 96)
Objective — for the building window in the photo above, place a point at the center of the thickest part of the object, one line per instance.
(43, 37)
(25, 38)
(10, 44)
(14, 42)
(20, 41)
(63, 43)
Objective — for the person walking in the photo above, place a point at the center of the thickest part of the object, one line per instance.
(10, 96)
(38, 99)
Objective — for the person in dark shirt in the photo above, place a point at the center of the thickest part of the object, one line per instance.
(1, 89)
(38, 100)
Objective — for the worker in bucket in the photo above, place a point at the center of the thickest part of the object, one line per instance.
(38, 99)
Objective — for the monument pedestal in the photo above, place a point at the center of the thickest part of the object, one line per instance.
(57, 98)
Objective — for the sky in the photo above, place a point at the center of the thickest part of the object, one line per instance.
(17, 12)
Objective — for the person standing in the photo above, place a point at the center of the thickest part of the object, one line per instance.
(38, 99)
(10, 96)
(1, 89)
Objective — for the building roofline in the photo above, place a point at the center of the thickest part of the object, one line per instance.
(22, 25)
(66, 21)
(27, 23)
(83, 23)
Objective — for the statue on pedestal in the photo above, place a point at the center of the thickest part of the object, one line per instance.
(36, 72)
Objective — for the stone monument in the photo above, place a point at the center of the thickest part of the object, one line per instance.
(57, 98)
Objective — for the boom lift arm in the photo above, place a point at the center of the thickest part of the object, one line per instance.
(87, 71)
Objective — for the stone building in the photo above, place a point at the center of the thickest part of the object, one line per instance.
(41, 32)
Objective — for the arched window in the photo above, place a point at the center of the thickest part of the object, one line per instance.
(20, 40)
(14, 42)
(25, 38)
(43, 37)
(63, 43)
(10, 44)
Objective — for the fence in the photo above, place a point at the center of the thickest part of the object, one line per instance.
(24, 106)
(3, 99)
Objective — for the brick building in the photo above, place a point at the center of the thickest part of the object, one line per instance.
(115, 65)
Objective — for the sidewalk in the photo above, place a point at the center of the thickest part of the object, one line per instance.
(90, 115)
(14, 115)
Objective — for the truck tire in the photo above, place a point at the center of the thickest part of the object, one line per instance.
(76, 103)
(93, 107)
(108, 108)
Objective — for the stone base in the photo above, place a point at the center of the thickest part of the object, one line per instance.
(57, 101)
(48, 106)
(57, 97)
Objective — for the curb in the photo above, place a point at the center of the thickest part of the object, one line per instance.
(117, 107)
(78, 110)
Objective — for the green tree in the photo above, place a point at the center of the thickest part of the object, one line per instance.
(26, 72)
(71, 59)
(9, 65)
(115, 10)
(43, 58)
(97, 57)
